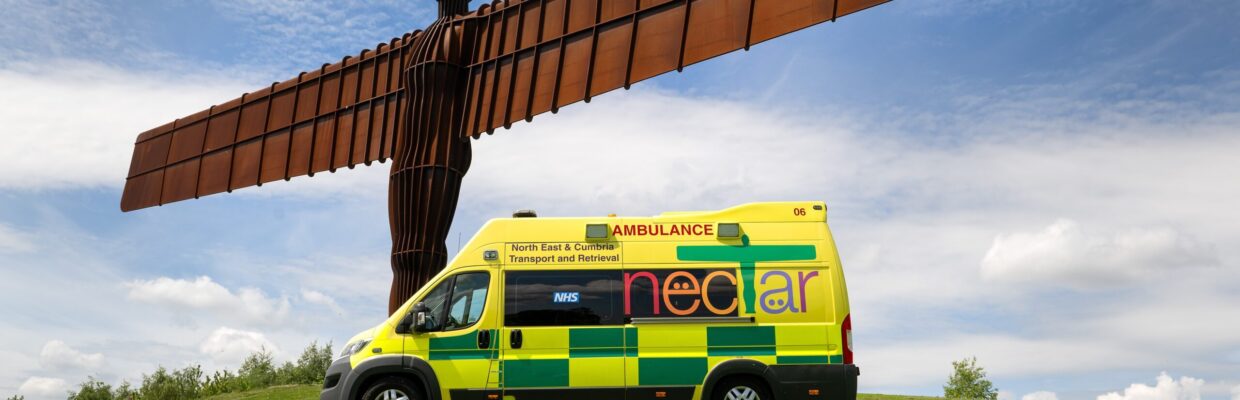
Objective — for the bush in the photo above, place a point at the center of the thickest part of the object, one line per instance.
(312, 365)
(17, 398)
(179, 384)
(222, 382)
(125, 392)
(92, 389)
(258, 371)
(968, 381)
(285, 374)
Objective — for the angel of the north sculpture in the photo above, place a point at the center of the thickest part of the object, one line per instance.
(420, 98)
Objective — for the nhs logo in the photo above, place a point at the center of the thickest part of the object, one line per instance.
(566, 297)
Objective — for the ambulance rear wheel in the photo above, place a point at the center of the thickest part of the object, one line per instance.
(392, 388)
(741, 388)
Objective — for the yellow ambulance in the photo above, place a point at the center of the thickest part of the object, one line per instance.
(746, 303)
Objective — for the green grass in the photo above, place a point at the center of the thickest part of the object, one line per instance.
(289, 392)
(306, 392)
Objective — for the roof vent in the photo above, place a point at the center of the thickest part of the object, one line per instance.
(525, 214)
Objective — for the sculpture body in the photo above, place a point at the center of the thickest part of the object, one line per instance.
(418, 100)
(430, 160)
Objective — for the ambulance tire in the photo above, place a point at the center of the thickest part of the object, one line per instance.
(393, 388)
(741, 388)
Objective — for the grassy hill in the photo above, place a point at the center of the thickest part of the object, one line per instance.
(308, 392)
(287, 392)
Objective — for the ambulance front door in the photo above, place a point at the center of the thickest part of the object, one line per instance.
(563, 334)
(458, 336)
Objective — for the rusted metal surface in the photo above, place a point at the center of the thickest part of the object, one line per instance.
(418, 98)
(340, 115)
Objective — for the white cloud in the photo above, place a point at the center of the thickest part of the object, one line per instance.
(12, 241)
(56, 354)
(77, 121)
(1040, 396)
(927, 361)
(864, 256)
(316, 297)
(1067, 253)
(248, 304)
(1166, 388)
(1235, 393)
(227, 345)
(43, 387)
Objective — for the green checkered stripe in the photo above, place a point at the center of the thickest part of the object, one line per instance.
(726, 341)
(464, 347)
(582, 343)
(749, 341)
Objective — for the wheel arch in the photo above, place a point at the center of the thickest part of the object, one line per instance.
(415, 369)
(737, 367)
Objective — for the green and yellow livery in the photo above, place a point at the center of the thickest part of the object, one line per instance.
(747, 303)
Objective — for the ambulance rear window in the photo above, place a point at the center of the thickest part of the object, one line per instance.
(562, 298)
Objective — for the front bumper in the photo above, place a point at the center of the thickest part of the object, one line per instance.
(334, 381)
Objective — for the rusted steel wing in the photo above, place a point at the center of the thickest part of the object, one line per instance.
(535, 56)
(340, 115)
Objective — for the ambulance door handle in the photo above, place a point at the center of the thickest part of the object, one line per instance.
(515, 339)
(484, 338)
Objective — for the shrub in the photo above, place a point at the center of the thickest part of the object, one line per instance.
(258, 370)
(285, 374)
(92, 389)
(125, 392)
(184, 383)
(312, 365)
(222, 382)
(968, 381)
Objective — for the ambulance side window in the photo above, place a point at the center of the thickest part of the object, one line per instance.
(468, 294)
(469, 297)
(434, 301)
(562, 298)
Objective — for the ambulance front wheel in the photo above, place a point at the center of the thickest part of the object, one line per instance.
(392, 388)
(741, 388)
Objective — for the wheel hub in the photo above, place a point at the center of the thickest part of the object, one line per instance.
(392, 394)
(742, 393)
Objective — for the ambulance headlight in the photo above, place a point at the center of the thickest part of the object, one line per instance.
(352, 348)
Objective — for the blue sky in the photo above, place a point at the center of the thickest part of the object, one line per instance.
(1047, 185)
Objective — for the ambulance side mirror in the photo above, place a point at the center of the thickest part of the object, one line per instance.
(422, 322)
(414, 321)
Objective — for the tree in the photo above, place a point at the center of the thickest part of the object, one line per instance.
(93, 389)
(968, 381)
(125, 392)
(258, 370)
(17, 397)
(222, 382)
(179, 384)
(313, 363)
